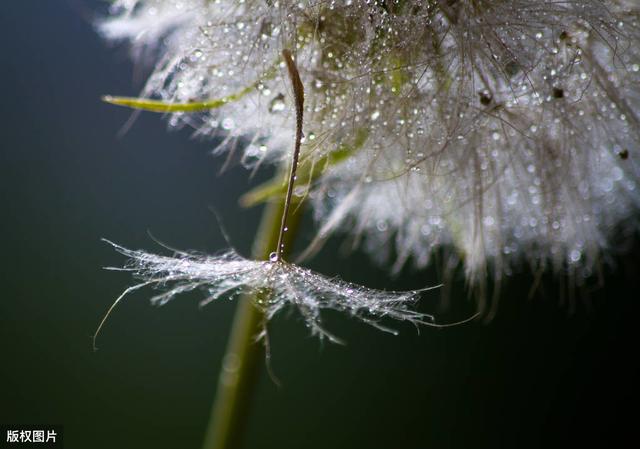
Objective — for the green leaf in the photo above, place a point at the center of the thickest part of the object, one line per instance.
(263, 192)
(146, 104)
(306, 174)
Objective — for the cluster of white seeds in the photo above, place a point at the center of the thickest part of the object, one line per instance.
(505, 131)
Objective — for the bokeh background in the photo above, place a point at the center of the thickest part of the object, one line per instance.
(542, 374)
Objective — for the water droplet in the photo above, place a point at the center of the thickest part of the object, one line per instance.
(277, 104)
(273, 257)
(228, 124)
(575, 255)
(382, 225)
(375, 115)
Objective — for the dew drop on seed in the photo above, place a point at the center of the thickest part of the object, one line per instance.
(575, 255)
(228, 124)
(277, 104)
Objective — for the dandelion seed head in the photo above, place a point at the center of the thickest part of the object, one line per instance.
(508, 131)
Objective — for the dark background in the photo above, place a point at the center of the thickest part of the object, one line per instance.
(537, 376)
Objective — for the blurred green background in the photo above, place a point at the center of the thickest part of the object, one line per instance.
(537, 376)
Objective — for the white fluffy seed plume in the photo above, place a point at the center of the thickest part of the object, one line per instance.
(508, 131)
(273, 285)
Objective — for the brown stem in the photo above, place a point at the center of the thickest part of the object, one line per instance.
(298, 94)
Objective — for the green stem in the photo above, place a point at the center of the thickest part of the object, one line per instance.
(273, 241)
(240, 366)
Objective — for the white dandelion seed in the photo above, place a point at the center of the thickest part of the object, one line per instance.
(508, 131)
(273, 284)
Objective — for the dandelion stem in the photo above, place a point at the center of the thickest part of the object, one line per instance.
(239, 367)
(298, 93)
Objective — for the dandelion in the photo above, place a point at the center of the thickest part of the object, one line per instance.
(504, 132)
(507, 132)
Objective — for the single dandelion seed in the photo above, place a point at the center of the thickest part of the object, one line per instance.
(275, 283)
